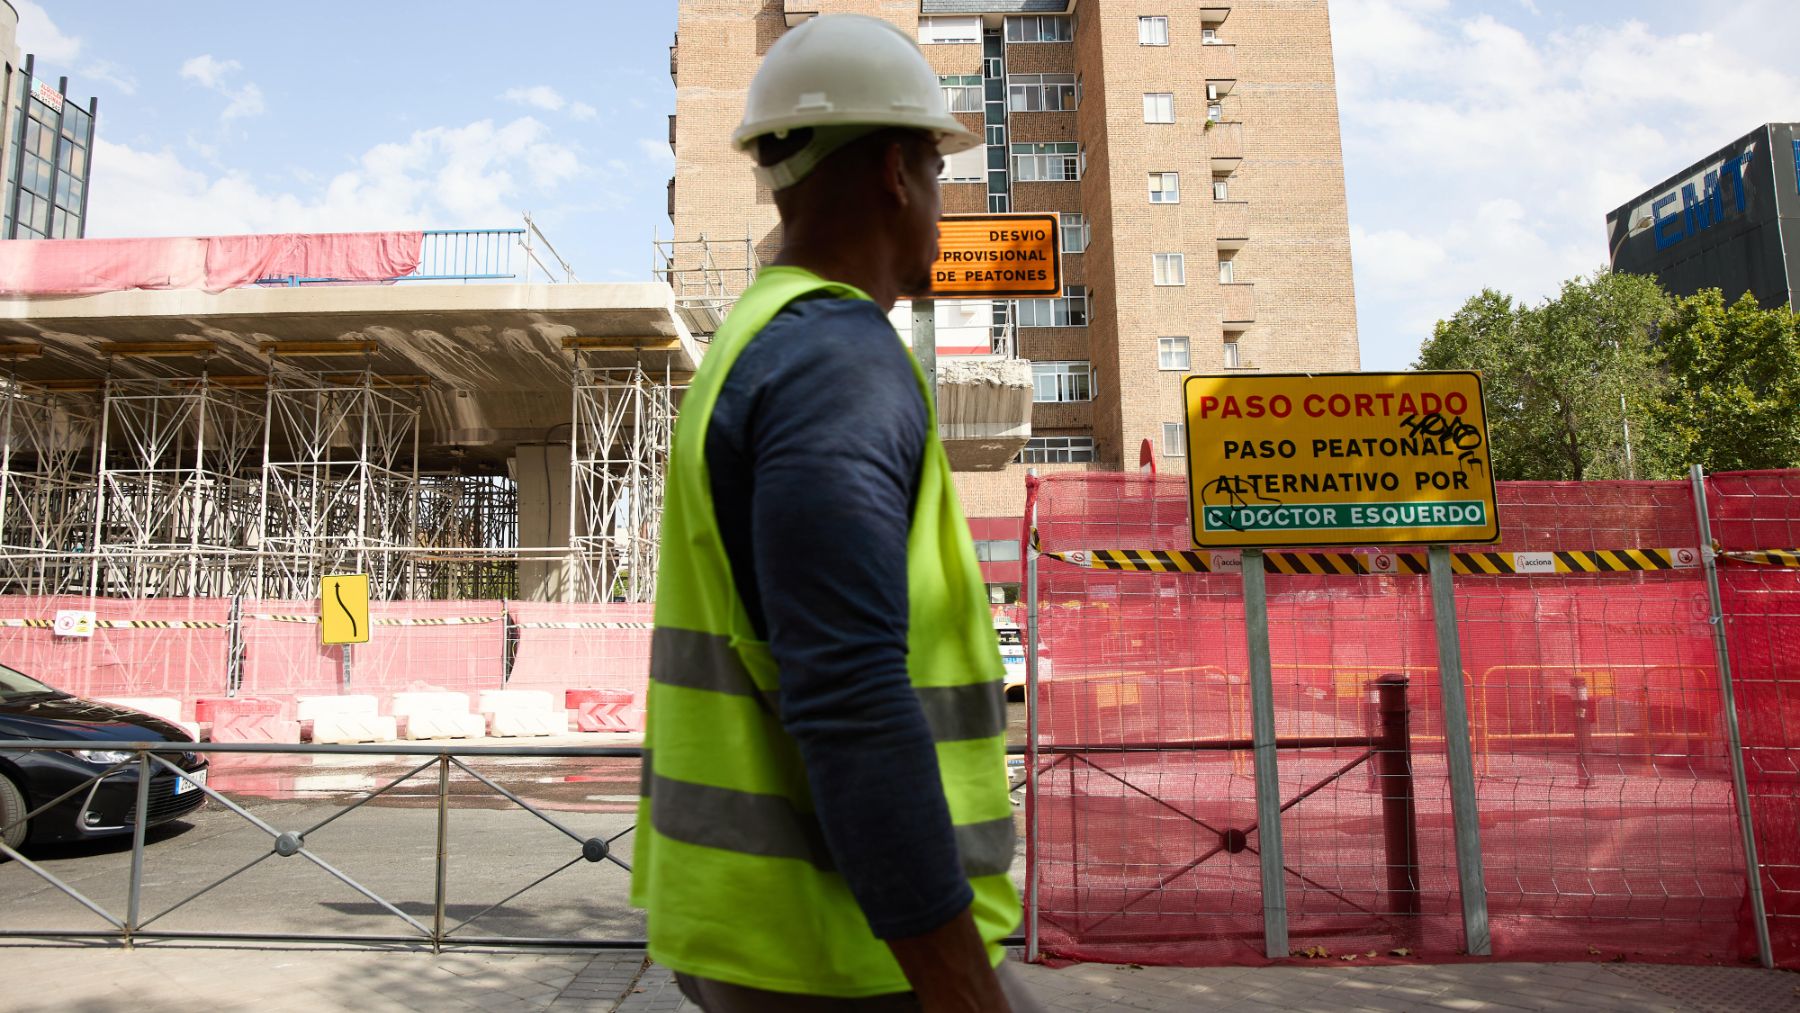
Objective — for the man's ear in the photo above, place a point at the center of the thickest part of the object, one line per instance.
(895, 172)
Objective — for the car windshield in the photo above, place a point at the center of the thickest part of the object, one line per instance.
(17, 684)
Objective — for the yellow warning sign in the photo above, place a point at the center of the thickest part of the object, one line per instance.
(1017, 256)
(344, 609)
(1339, 459)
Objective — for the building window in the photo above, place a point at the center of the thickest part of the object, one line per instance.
(939, 31)
(1225, 271)
(1172, 353)
(965, 166)
(999, 203)
(1159, 107)
(1170, 268)
(1058, 382)
(1074, 232)
(1215, 112)
(1174, 441)
(1153, 31)
(1047, 161)
(1037, 93)
(1221, 191)
(997, 550)
(1232, 359)
(1057, 450)
(1039, 28)
(1209, 37)
(1165, 188)
(1069, 311)
(962, 92)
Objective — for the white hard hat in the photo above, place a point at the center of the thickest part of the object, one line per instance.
(845, 75)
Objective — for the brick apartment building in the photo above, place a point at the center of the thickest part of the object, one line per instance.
(1191, 149)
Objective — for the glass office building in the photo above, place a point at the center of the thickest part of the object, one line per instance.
(50, 141)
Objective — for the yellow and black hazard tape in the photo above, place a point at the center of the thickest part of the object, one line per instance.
(585, 626)
(278, 617)
(126, 624)
(1380, 563)
(447, 621)
(1786, 558)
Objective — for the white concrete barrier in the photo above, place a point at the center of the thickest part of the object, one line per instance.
(339, 719)
(437, 715)
(521, 712)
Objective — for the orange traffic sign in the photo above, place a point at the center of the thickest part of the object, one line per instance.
(1017, 256)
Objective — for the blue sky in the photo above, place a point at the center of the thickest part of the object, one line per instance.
(1484, 141)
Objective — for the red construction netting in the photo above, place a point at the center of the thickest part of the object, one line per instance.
(413, 645)
(1751, 511)
(1601, 780)
(576, 646)
(169, 647)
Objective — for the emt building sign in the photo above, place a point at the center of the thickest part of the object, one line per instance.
(1339, 459)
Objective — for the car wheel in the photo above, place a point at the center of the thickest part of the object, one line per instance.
(12, 809)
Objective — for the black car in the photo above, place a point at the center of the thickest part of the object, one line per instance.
(29, 778)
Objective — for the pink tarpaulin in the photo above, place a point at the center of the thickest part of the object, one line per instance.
(40, 267)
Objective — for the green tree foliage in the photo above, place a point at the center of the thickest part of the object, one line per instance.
(1563, 379)
(1732, 400)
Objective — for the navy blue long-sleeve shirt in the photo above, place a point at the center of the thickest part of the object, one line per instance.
(814, 450)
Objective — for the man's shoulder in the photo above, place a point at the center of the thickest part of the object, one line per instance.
(828, 319)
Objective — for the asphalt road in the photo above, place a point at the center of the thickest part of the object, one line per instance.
(216, 871)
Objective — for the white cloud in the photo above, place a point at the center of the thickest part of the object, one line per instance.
(107, 72)
(582, 111)
(657, 151)
(214, 75)
(39, 35)
(207, 70)
(473, 176)
(539, 96)
(1479, 155)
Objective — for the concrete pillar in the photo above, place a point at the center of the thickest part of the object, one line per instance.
(542, 474)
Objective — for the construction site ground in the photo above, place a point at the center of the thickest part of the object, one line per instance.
(163, 977)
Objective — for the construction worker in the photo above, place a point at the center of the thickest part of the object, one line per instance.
(825, 822)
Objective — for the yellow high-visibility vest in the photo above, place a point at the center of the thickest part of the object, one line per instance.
(729, 860)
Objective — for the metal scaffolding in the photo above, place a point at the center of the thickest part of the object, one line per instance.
(259, 486)
(46, 492)
(620, 433)
(340, 484)
(175, 499)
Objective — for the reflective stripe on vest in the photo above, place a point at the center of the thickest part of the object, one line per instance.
(695, 660)
(773, 827)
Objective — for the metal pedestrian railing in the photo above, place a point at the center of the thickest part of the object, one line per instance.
(134, 924)
(455, 255)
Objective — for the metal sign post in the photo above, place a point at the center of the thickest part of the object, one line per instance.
(924, 341)
(1363, 459)
(1470, 881)
(1031, 721)
(1739, 784)
(1262, 737)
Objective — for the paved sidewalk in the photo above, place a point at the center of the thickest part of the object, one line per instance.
(50, 978)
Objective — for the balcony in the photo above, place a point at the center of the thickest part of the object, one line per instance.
(1237, 305)
(984, 410)
(1231, 223)
(1219, 62)
(673, 47)
(1225, 146)
(671, 131)
(671, 198)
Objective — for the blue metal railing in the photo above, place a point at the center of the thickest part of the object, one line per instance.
(445, 255)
